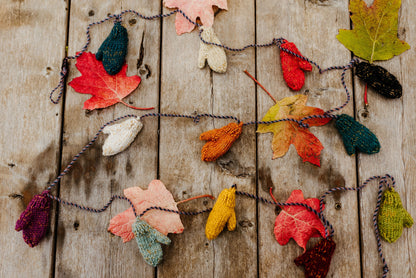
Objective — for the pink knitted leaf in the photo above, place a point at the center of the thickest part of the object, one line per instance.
(194, 9)
(155, 195)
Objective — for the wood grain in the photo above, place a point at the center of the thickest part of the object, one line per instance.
(313, 28)
(33, 45)
(31, 51)
(186, 88)
(84, 247)
(392, 120)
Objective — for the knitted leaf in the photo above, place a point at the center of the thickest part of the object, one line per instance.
(374, 36)
(105, 89)
(155, 195)
(219, 140)
(293, 67)
(221, 214)
(392, 216)
(287, 133)
(194, 9)
(298, 222)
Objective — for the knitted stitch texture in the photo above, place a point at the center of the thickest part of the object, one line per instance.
(392, 216)
(149, 241)
(219, 140)
(121, 136)
(293, 67)
(222, 212)
(356, 136)
(34, 220)
(318, 259)
(214, 55)
(382, 81)
(113, 51)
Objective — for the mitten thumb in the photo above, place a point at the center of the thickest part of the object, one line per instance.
(407, 220)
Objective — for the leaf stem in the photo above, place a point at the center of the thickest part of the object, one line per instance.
(134, 107)
(196, 197)
(261, 86)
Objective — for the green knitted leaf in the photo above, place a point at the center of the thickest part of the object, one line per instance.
(356, 136)
(392, 217)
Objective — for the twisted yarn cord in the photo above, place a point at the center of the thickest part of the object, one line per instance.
(86, 147)
(383, 180)
(81, 207)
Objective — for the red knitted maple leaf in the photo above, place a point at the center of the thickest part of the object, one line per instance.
(105, 89)
(194, 9)
(298, 222)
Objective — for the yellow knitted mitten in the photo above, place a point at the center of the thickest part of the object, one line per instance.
(222, 212)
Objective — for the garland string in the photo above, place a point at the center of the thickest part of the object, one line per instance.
(383, 180)
(275, 41)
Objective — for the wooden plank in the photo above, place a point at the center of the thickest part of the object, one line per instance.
(393, 122)
(84, 247)
(185, 89)
(312, 26)
(32, 48)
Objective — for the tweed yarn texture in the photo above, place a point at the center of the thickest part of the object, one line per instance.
(214, 55)
(378, 78)
(221, 214)
(149, 241)
(318, 259)
(34, 220)
(113, 50)
(293, 67)
(392, 216)
(121, 136)
(219, 140)
(356, 136)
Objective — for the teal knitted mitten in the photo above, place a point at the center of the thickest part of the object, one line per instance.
(356, 136)
(113, 51)
(149, 241)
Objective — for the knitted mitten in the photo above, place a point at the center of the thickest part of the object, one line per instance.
(222, 212)
(356, 136)
(121, 136)
(392, 217)
(382, 81)
(318, 259)
(215, 55)
(113, 51)
(293, 66)
(149, 241)
(219, 140)
(34, 220)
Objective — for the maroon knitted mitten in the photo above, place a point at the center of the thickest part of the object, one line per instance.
(317, 260)
(34, 221)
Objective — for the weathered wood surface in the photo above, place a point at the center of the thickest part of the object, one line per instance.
(78, 244)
